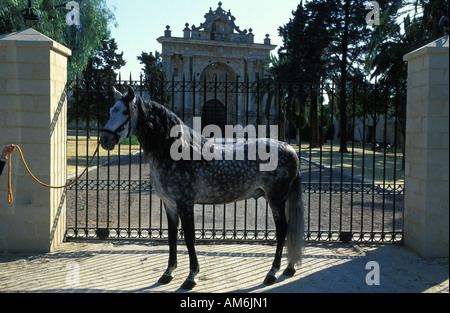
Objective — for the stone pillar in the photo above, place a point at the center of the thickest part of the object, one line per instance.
(33, 76)
(426, 217)
(187, 65)
(167, 64)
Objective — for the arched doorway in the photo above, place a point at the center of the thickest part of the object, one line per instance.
(219, 72)
(214, 113)
(219, 105)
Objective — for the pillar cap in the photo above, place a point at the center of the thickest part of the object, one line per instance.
(32, 38)
(436, 47)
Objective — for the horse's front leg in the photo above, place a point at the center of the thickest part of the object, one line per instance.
(187, 220)
(172, 221)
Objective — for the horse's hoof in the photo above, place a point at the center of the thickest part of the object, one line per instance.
(290, 272)
(165, 279)
(270, 280)
(188, 285)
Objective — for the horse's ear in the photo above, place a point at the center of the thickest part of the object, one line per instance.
(117, 94)
(131, 94)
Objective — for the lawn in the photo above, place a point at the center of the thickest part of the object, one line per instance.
(352, 164)
(387, 168)
(86, 149)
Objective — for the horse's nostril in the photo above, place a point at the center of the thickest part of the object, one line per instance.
(104, 141)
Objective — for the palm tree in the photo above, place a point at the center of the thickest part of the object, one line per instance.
(272, 88)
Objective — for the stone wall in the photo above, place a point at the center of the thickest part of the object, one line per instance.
(33, 75)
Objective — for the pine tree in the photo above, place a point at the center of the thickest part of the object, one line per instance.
(306, 39)
(155, 77)
(92, 97)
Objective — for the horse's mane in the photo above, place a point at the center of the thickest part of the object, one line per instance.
(155, 123)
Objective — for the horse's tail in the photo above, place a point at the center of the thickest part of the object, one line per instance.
(296, 225)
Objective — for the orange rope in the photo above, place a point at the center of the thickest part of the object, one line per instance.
(10, 194)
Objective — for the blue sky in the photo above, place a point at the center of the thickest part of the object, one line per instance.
(141, 22)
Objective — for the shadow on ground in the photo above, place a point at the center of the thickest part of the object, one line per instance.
(225, 268)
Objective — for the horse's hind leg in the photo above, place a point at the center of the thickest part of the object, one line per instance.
(172, 221)
(187, 221)
(279, 215)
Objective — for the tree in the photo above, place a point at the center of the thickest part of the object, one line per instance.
(273, 84)
(309, 25)
(155, 77)
(398, 36)
(403, 29)
(435, 17)
(348, 48)
(84, 40)
(93, 92)
(327, 39)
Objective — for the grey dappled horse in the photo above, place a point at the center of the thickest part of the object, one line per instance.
(182, 183)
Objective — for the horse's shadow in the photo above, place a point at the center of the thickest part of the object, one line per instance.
(261, 286)
(152, 287)
(156, 285)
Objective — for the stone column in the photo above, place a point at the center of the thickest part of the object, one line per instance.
(33, 76)
(426, 217)
(187, 65)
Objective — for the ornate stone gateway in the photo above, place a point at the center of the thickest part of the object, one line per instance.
(216, 51)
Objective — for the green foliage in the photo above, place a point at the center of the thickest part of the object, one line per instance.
(405, 26)
(155, 77)
(331, 39)
(93, 89)
(133, 139)
(84, 40)
(308, 25)
(324, 39)
(397, 36)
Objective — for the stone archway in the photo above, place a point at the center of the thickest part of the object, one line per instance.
(219, 71)
(218, 106)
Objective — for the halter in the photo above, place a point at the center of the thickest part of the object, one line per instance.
(123, 126)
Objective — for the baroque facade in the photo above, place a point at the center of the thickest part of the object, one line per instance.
(217, 51)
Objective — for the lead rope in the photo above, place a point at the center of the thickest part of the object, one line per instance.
(10, 194)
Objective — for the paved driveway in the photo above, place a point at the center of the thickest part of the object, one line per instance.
(137, 266)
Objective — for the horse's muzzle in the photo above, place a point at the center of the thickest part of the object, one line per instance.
(108, 141)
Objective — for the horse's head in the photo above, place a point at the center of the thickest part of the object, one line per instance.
(122, 121)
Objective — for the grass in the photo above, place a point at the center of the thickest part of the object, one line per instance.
(86, 149)
(377, 167)
(383, 173)
(134, 141)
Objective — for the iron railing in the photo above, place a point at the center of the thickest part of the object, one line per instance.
(354, 196)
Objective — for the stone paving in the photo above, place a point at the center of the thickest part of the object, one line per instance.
(135, 267)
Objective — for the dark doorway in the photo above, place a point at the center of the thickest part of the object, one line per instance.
(214, 113)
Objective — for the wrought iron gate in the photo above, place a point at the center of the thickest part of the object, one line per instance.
(354, 196)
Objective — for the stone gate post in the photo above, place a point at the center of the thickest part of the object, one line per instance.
(426, 216)
(33, 76)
